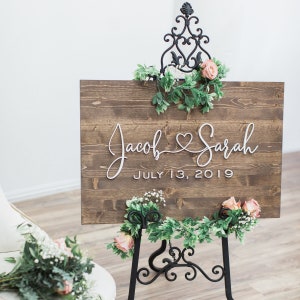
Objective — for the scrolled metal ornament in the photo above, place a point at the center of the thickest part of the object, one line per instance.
(153, 216)
(187, 9)
(136, 218)
(141, 218)
(177, 259)
(186, 48)
(223, 212)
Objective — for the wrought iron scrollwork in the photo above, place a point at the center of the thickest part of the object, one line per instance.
(182, 40)
(223, 212)
(138, 217)
(178, 258)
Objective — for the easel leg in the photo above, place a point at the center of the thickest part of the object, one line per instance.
(134, 266)
(226, 264)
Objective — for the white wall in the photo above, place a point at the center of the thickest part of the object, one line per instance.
(48, 46)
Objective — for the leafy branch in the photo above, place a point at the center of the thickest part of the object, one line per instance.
(233, 218)
(196, 90)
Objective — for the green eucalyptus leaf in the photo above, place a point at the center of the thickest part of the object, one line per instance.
(167, 81)
(11, 260)
(144, 73)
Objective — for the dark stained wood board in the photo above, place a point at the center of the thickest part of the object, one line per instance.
(117, 113)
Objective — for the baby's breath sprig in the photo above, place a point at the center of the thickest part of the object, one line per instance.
(155, 196)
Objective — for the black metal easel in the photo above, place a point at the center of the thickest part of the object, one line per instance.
(180, 39)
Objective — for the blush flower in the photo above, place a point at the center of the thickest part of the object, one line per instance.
(67, 288)
(231, 204)
(209, 69)
(124, 242)
(252, 207)
(61, 244)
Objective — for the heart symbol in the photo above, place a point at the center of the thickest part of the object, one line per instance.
(185, 139)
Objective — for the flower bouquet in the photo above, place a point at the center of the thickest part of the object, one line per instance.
(48, 269)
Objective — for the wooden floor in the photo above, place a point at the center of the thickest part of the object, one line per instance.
(267, 266)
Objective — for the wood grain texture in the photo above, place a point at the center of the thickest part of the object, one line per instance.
(104, 104)
(265, 267)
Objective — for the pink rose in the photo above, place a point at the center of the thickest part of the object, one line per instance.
(61, 244)
(67, 289)
(124, 242)
(231, 204)
(209, 69)
(252, 207)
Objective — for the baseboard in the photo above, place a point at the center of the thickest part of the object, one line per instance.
(42, 190)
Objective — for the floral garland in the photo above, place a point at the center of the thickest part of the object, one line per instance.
(233, 217)
(48, 269)
(198, 89)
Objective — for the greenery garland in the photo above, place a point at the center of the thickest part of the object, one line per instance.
(197, 89)
(233, 217)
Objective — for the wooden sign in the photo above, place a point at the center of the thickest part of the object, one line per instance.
(198, 160)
